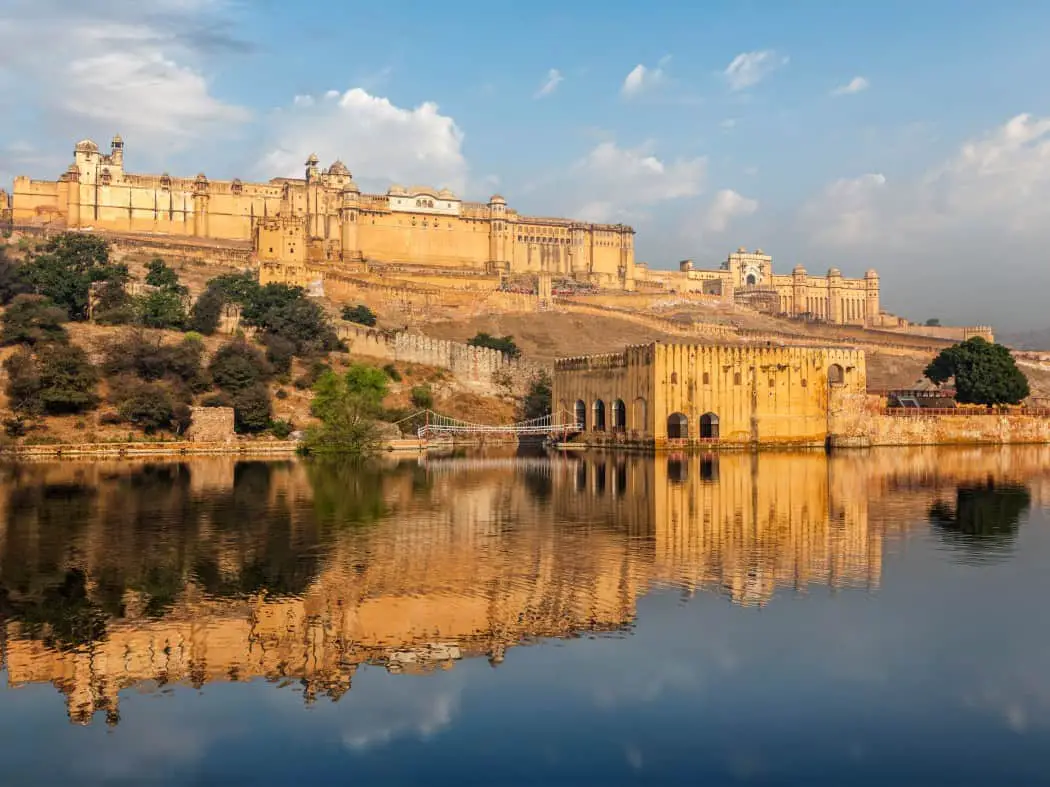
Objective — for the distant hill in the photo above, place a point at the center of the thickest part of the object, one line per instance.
(1026, 340)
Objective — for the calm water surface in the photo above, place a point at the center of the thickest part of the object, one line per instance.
(877, 618)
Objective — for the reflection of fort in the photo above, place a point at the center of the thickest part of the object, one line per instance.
(116, 575)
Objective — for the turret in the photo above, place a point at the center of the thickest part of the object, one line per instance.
(349, 206)
(799, 303)
(871, 285)
(497, 229)
(116, 152)
(312, 171)
(835, 296)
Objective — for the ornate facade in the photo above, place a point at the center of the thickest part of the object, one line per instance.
(748, 277)
(678, 394)
(324, 217)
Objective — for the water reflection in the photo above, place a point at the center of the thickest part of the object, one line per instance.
(115, 575)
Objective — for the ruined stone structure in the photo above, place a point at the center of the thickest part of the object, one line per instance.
(324, 218)
(210, 424)
(681, 394)
(748, 277)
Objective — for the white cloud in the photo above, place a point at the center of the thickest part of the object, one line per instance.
(750, 68)
(554, 78)
(611, 182)
(844, 213)
(728, 124)
(381, 142)
(643, 79)
(855, 85)
(727, 206)
(116, 66)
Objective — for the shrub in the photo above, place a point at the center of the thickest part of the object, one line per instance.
(12, 282)
(392, 372)
(150, 359)
(422, 397)
(537, 401)
(56, 379)
(281, 429)
(15, 426)
(359, 314)
(158, 274)
(147, 405)
(206, 312)
(162, 309)
(217, 400)
(251, 408)
(279, 352)
(238, 366)
(33, 318)
(505, 344)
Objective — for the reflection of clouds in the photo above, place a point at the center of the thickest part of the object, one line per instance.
(406, 706)
(160, 746)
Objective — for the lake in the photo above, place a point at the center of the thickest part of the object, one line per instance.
(871, 618)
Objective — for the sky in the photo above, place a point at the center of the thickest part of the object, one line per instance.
(909, 137)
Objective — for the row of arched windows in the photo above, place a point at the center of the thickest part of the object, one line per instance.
(615, 419)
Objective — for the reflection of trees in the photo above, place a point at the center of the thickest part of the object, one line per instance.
(985, 519)
(347, 491)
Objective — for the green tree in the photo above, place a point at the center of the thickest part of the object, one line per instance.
(933, 322)
(67, 266)
(162, 309)
(985, 373)
(251, 408)
(348, 406)
(237, 366)
(537, 401)
(207, 311)
(30, 319)
(54, 379)
(12, 282)
(147, 405)
(159, 274)
(359, 314)
(505, 344)
(422, 397)
(148, 358)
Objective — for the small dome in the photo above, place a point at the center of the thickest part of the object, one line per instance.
(87, 146)
(312, 160)
(338, 168)
(834, 272)
(397, 189)
(798, 269)
(74, 169)
(201, 176)
(741, 250)
(446, 194)
(496, 198)
(117, 140)
(871, 274)
(351, 186)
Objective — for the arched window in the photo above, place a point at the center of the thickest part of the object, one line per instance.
(674, 378)
(580, 415)
(836, 375)
(677, 426)
(619, 415)
(709, 426)
(598, 424)
(751, 281)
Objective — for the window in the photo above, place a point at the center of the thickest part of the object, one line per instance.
(674, 378)
(736, 378)
(707, 378)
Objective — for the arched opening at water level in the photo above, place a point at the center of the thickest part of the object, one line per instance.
(580, 414)
(619, 415)
(677, 426)
(709, 426)
(599, 415)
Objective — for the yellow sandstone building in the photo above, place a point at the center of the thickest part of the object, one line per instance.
(324, 217)
(681, 394)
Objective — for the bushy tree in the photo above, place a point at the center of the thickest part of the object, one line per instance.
(505, 344)
(359, 314)
(251, 408)
(149, 359)
(985, 373)
(159, 274)
(12, 282)
(113, 305)
(347, 406)
(67, 266)
(238, 365)
(422, 397)
(537, 401)
(279, 352)
(30, 319)
(147, 405)
(54, 379)
(162, 309)
(206, 312)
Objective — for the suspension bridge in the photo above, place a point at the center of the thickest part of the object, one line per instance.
(438, 425)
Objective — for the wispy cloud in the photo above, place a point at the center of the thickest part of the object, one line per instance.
(554, 78)
(750, 68)
(642, 78)
(855, 85)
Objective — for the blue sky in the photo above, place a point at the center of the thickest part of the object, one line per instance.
(910, 137)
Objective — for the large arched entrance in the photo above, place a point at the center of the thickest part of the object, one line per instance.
(619, 415)
(580, 414)
(677, 426)
(709, 426)
(598, 424)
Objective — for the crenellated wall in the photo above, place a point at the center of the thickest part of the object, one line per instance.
(479, 366)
